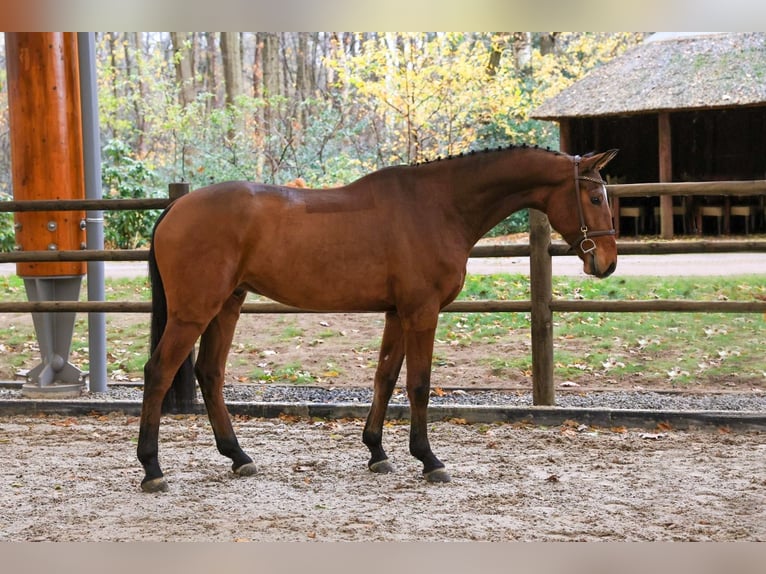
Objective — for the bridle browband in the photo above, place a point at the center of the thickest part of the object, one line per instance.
(586, 243)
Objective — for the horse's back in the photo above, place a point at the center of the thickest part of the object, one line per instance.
(357, 247)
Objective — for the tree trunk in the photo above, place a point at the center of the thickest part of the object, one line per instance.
(271, 83)
(112, 38)
(522, 47)
(548, 43)
(499, 44)
(302, 77)
(134, 61)
(183, 65)
(231, 55)
(211, 71)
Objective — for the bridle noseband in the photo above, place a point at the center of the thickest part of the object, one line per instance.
(587, 244)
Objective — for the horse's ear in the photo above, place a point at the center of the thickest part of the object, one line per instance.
(598, 161)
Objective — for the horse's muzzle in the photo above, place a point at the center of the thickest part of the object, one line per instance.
(597, 272)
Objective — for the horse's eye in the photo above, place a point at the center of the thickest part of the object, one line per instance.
(595, 200)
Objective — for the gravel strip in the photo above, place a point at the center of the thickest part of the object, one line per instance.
(635, 400)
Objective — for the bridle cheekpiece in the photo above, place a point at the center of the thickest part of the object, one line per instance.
(587, 245)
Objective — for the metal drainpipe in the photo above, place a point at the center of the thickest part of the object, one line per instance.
(94, 219)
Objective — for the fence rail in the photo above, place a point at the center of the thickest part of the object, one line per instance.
(540, 250)
(506, 250)
(730, 188)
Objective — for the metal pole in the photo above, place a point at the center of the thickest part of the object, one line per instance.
(94, 218)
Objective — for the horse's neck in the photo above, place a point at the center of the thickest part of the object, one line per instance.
(501, 186)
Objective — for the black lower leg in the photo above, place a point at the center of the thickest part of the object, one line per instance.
(147, 453)
(374, 441)
(420, 449)
(230, 448)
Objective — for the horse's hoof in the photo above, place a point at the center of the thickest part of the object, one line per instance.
(437, 475)
(382, 467)
(155, 485)
(247, 469)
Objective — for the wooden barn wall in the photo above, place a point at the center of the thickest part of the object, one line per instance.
(728, 144)
(707, 145)
(635, 136)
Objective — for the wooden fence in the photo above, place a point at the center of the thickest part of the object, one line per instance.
(541, 306)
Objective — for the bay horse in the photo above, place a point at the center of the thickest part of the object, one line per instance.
(395, 241)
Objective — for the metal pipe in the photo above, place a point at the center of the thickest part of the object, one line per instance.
(94, 219)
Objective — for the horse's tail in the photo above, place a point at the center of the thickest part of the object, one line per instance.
(182, 393)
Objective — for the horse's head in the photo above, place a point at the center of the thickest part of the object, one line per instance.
(580, 213)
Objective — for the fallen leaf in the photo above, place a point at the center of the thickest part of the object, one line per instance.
(653, 436)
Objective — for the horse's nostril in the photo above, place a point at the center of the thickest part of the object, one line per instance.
(610, 269)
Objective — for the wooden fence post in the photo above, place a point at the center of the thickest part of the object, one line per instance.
(182, 395)
(541, 293)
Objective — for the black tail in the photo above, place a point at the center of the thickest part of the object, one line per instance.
(182, 394)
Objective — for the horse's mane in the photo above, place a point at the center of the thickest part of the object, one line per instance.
(486, 150)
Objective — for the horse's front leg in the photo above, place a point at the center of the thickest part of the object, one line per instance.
(419, 353)
(389, 365)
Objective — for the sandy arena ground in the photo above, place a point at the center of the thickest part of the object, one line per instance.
(77, 479)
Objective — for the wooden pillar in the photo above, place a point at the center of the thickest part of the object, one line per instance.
(541, 289)
(666, 175)
(565, 135)
(46, 145)
(44, 113)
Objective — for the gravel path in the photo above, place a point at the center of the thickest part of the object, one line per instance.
(635, 400)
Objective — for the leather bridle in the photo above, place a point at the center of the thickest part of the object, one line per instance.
(586, 243)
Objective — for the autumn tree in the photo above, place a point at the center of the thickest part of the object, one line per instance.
(184, 65)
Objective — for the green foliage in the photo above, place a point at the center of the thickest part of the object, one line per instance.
(391, 98)
(515, 223)
(7, 233)
(125, 177)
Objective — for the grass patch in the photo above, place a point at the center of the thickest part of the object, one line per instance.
(676, 348)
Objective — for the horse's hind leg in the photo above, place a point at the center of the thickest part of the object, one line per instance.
(209, 369)
(175, 345)
(389, 365)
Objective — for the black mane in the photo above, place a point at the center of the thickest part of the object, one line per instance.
(486, 150)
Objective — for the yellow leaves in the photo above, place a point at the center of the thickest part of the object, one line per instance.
(664, 426)
(458, 421)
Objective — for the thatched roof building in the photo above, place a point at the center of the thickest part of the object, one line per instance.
(681, 107)
(670, 73)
